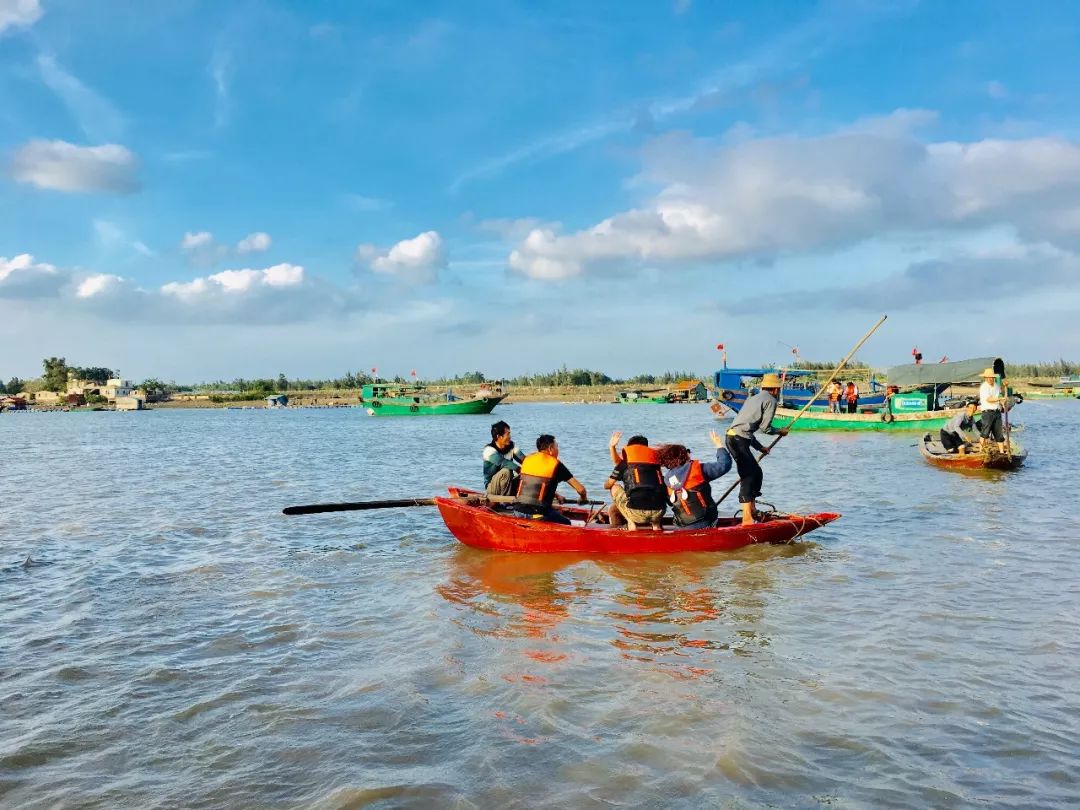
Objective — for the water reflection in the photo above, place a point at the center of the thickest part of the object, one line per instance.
(673, 612)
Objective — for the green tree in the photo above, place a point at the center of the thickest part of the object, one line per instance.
(14, 386)
(97, 374)
(56, 374)
(282, 383)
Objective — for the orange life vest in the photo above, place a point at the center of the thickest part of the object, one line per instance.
(694, 501)
(834, 392)
(851, 394)
(536, 487)
(643, 479)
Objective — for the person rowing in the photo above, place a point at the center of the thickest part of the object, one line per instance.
(991, 403)
(755, 414)
(687, 479)
(541, 474)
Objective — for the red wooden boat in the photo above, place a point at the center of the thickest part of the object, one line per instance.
(935, 453)
(481, 526)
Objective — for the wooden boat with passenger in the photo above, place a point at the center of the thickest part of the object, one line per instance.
(935, 453)
(478, 524)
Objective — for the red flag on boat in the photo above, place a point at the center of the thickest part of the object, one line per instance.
(719, 347)
(374, 371)
(412, 373)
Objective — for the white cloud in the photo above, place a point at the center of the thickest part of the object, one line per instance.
(254, 243)
(97, 284)
(19, 13)
(22, 277)
(63, 166)
(95, 115)
(761, 198)
(196, 240)
(237, 281)
(416, 259)
(110, 236)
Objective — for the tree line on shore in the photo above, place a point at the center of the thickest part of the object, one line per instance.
(56, 369)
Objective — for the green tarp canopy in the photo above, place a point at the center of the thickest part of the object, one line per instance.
(914, 375)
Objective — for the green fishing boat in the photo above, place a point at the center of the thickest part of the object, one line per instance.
(640, 398)
(915, 409)
(821, 419)
(385, 399)
(1048, 394)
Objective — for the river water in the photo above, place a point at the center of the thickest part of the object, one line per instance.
(173, 640)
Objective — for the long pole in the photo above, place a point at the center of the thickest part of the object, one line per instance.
(813, 399)
(1005, 412)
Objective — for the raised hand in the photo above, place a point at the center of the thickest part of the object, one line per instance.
(614, 440)
(717, 439)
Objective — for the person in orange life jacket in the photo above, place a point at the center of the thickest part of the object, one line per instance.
(688, 480)
(755, 414)
(636, 484)
(834, 397)
(502, 460)
(541, 473)
(851, 397)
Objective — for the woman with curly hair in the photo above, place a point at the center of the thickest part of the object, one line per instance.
(689, 490)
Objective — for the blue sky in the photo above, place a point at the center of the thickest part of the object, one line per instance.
(195, 190)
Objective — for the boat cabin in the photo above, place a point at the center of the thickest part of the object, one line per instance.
(391, 391)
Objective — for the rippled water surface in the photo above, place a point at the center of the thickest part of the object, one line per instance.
(168, 638)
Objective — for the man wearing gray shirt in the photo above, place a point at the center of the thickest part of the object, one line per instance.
(756, 414)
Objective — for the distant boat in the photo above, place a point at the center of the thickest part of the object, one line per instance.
(389, 399)
(734, 385)
(641, 398)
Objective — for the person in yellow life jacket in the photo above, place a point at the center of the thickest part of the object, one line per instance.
(638, 496)
(541, 473)
(687, 480)
(834, 397)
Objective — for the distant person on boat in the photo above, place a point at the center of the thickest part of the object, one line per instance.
(687, 480)
(541, 474)
(953, 436)
(756, 414)
(851, 397)
(502, 461)
(834, 397)
(638, 496)
(990, 403)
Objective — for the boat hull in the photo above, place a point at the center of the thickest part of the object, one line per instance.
(386, 407)
(930, 420)
(482, 527)
(971, 461)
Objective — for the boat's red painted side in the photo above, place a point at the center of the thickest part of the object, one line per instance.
(482, 527)
(974, 460)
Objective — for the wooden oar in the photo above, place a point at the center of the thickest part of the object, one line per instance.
(812, 399)
(360, 506)
(1003, 390)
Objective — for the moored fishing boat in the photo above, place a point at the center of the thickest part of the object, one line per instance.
(382, 399)
(821, 419)
(734, 385)
(479, 525)
(935, 453)
(641, 398)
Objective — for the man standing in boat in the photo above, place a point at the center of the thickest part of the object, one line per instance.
(756, 414)
(502, 461)
(851, 396)
(638, 496)
(990, 403)
(953, 437)
(541, 473)
(834, 397)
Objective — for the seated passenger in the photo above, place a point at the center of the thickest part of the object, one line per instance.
(637, 489)
(952, 435)
(541, 473)
(502, 461)
(688, 485)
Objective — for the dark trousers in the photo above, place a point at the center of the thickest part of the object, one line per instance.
(951, 441)
(750, 476)
(852, 406)
(549, 515)
(991, 426)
